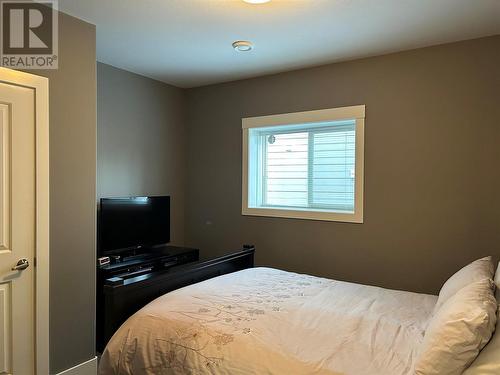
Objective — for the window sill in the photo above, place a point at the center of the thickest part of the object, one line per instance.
(346, 217)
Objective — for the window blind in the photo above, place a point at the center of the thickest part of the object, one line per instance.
(309, 166)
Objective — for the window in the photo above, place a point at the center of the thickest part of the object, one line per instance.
(306, 165)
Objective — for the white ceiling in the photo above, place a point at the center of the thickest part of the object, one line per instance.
(188, 42)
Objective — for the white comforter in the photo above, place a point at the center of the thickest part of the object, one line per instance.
(267, 321)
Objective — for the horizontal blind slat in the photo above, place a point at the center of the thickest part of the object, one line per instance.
(333, 162)
(289, 179)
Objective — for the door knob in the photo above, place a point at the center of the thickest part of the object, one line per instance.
(21, 265)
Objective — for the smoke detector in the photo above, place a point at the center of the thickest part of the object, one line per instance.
(243, 46)
(256, 1)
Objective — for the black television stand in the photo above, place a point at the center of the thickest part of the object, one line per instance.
(158, 259)
(122, 300)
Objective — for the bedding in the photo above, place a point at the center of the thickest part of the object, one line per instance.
(478, 270)
(459, 330)
(488, 360)
(267, 321)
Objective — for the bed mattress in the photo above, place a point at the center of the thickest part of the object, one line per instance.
(268, 321)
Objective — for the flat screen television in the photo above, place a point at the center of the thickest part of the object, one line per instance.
(133, 223)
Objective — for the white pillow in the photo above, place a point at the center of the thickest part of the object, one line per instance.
(497, 283)
(458, 331)
(475, 271)
(488, 361)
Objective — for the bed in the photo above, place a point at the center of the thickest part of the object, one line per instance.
(268, 321)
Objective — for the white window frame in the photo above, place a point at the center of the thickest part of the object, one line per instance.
(356, 113)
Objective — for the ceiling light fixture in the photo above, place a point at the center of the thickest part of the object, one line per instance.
(242, 46)
(256, 1)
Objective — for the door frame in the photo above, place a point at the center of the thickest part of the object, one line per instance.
(40, 85)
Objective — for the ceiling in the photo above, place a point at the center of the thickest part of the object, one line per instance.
(187, 43)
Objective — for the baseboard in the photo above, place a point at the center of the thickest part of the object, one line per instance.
(85, 368)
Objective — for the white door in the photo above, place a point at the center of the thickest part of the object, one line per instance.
(17, 229)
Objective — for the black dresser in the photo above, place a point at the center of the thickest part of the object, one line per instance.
(125, 287)
(113, 309)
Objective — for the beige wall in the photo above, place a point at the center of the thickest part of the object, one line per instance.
(72, 195)
(140, 141)
(431, 175)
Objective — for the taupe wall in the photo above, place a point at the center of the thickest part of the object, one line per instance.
(431, 173)
(140, 142)
(72, 195)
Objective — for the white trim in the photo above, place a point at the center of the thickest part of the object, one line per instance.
(41, 87)
(359, 172)
(356, 113)
(5, 235)
(303, 214)
(244, 175)
(331, 114)
(85, 368)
